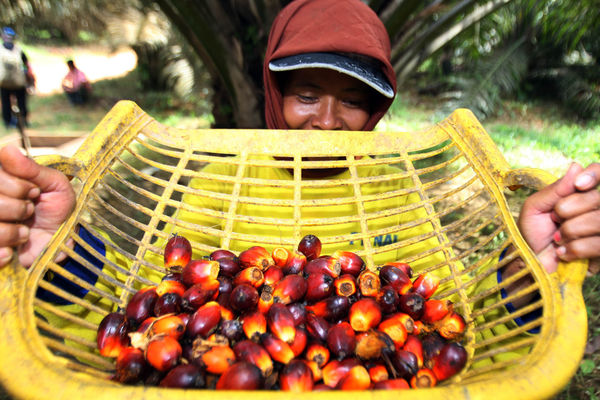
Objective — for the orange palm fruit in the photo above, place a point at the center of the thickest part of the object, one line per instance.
(251, 275)
(317, 352)
(265, 300)
(350, 263)
(421, 328)
(415, 346)
(424, 378)
(369, 283)
(163, 353)
(280, 256)
(315, 369)
(364, 314)
(289, 289)
(217, 359)
(378, 372)
(296, 376)
(345, 285)
(295, 263)
(254, 324)
(197, 271)
(242, 375)
(112, 335)
(247, 350)
(279, 350)
(256, 256)
(177, 252)
(434, 310)
(172, 325)
(335, 370)
(356, 379)
(395, 328)
(451, 327)
(391, 384)
(374, 345)
(280, 322)
(426, 284)
(170, 286)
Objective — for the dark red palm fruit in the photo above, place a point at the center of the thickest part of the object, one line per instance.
(369, 283)
(318, 353)
(171, 325)
(364, 314)
(290, 289)
(333, 308)
(252, 275)
(254, 353)
(183, 376)
(316, 327)
(323, 265)
(256, 256)
(394, 327)
(392, 275)
(452, 326)
(406, 268)
(450, 361)
(350, 263)
(217, 359)
(426, 284)
(172, 276)
(163, 353)
(273, 275)
(169, 303)
(198, 271)
(241, 376)
(345, 285)
(310, 246)
(177, 253)
(405, 364)
(197, 295)
(295, 263)
(335, 370)
(378, 372)
(424, 378)
(254, 324)
(243, 297)
(141, 305)
(432, 345)
(391, 384)
(130, 366)
(280, 256)
(298, 311)
(434, 310)
(388, 299)
(204, 321)
(232, 330)
(265, 300)
(279, 350)
(356, 379)
(374, 345)
(220, 254)
(170, 286)
(296, 376)
(112, 335)
(280, 322)
(412, 304)
(414, 344)
(299, 343)
(318, 286)
(341, 340)
(229, 266)
(225, 288)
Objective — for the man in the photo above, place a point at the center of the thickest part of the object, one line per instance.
(76, 85)
(13, 77)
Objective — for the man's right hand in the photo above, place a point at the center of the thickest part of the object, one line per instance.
(34, 201)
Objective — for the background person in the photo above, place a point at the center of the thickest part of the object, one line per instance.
(15, 77)
(76, 85)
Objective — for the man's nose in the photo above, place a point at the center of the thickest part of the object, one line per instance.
(327, 116)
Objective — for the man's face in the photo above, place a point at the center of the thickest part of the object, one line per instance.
(7, 38)
(318, 98)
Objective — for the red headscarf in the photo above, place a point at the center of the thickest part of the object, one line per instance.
(341, 26)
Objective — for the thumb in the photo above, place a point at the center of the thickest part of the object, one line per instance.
(16, 164)
(546, 199)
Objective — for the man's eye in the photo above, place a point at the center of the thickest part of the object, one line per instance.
(355, 103)
(306, 98)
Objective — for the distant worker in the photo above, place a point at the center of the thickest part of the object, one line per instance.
(15, 77)
(76, 85)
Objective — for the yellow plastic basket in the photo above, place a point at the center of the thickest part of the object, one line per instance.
(130, 176)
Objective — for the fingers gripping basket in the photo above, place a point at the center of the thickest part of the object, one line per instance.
(138, 181)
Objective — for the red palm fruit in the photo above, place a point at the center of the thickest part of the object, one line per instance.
(131, 366)
(450, 360)
(317, 352)
(406, 268)
(171, 325)
(247, 350)
(273, 275)
(388, 299)
(265, 301)
(345, 285)
(424, 378)
(412, 304)
(169, 303)
(452, 326)
(163, 353)
(280, 256)
(112, 335)
(145, 324)
(225, 288)
(290, 289)
(229, 266)
(205, 320)
(183, 376)
(310, 246)
(254, 324)
(256, 256)
(321, 387)
(198, 294)
(364, 314)
(414, 344)
(243, 297)
(333, 308)
(241, 376)
(405, 364)
(299, 343)
(316, 327)
(335, 370)
(324, 265)
(251, 275)
(341, 340)
(185, 317)
(356, 379)
(432, 345)
(217, 359)
(350, 263)
(141, 305)
(378, 373)
(279, 350)
(434, 310)
(369, 283)
(170, 286)
(421, 328)
(178, 252)
(373, 345)
(392, 275)
(298, 310)
(295, 263)
(281, 322)
(296, 376)
(426, 284)
(317, 373)
(318, 286)
(232, 330)
(198, 271)
(220, 254)
(391, 384)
